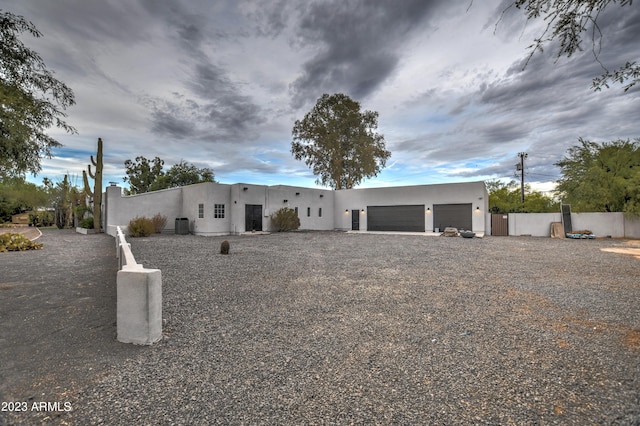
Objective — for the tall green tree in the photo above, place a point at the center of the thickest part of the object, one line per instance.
(570, 21)
(31, 101)
(142, 173)
(601, 177)
(506, 198)
(339, 142)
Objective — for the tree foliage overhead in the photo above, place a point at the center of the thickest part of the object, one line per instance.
(601, 177)
(506, 198)
(144, 175)
(568, 22)
(31, 101)
(339, 142)
(183, 174)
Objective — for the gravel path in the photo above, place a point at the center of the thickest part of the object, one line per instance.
(336, 328)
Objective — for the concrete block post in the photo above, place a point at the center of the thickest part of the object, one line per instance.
(139, 309)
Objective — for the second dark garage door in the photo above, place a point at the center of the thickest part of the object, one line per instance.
(396, 218)
(455, 215)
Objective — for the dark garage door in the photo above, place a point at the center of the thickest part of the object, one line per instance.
(395, 218)
(455, 215)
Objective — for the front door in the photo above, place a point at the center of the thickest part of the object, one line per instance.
(355, 220)
(253, 217)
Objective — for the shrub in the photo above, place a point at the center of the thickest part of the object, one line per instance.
(285, 219)
(17, 242)
(159, 222)
(140, 227)
(224, 247)
(86, 223)
(40, 219)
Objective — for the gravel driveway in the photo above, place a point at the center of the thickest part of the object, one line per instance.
(338, 328)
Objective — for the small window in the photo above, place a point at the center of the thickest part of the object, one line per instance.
(308, 211)
(200, 211)
(320, 212)
(296, 209)
(218, 211)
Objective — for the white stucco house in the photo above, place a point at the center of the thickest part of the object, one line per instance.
(222, 209)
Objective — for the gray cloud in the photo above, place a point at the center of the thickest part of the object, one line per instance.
(357, 44)
(221, 83)
(216, 110)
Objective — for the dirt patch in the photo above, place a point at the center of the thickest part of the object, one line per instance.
(635, 252)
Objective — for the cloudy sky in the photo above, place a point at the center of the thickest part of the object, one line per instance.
(221, 83)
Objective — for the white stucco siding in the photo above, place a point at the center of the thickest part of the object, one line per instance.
(308, 201)
(121, 209)
(473, 193)
(207, 194)
(337, 206)
(240, 197)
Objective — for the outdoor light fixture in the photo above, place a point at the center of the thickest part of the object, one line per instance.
(285, 201)
(362, 211)
(297, 193)
(477, 208)
(346, 210)
(245, 188)
(321, 195)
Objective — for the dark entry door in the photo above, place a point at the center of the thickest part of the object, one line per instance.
(253, 217)
(355, 220)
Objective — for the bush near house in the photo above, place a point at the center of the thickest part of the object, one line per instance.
(285, 219)
(159, 222)
(17, 242)
(141, 227)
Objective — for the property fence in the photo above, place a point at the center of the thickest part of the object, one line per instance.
(139, 298)
(614, 225)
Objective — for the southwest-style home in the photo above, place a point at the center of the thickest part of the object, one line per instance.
(220, 209)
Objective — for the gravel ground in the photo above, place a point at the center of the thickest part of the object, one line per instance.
(338, 328)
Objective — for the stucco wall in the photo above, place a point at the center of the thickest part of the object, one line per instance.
(208, 194)
(309, 201)
(632, 227)
(534, 224)
(601, 224)
(121, 209)
(184, 202)
(240, 197)
(614, 225)
(454, 193)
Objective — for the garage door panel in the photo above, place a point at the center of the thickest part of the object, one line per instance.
(454, 215)
(405, 218)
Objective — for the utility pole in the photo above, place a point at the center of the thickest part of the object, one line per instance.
(520, 168)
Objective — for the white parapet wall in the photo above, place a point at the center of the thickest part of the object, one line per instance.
(139, 298)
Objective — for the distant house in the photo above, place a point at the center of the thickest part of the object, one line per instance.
(221, 209)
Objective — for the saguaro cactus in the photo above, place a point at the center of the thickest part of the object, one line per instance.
(97, 186)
